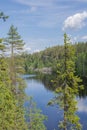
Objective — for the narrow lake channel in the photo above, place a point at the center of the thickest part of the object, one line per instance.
(42, 96)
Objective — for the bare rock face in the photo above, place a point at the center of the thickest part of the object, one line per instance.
(45, 70)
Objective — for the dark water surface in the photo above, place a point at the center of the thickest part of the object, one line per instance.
(42, 96)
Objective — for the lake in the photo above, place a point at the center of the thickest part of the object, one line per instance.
(42, 95)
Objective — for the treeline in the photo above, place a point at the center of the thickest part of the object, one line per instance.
(50, 57)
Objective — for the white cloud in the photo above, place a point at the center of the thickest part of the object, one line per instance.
(27, 49)
(82, 105)
(38, 44)
(45, 13)
(84, 37)
(76, 21)
(24, 11)
(33, 9)
(37, 50)
(75, 39)
(43, 3)
(37, 3)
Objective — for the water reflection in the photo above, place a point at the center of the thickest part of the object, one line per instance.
(46, 80)
(42, 96)
(82, 105)
(83, 93)
(82, 112)
(42, 89)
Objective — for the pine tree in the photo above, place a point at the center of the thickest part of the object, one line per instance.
(15, 45)
(12, 116)
(68, 86)
(7, 101)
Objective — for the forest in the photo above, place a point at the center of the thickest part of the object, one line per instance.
(67, 62)
(50, 57)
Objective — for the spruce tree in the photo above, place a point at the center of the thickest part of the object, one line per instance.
(68, 85)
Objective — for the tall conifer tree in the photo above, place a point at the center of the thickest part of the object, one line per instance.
(67, 88)
(15, 44)
(11, 115)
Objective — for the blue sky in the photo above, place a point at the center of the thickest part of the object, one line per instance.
(41, 23)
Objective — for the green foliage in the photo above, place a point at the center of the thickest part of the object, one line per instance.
(15, 45)
(6, 98)
(47, 58)
(11, 109)
(52, 56)
(12, 86)
(34, 116)
(81, 64)
(14, 40)
(67, 88)
(2, 47)
(3, 16)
